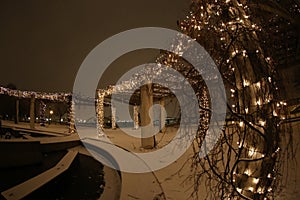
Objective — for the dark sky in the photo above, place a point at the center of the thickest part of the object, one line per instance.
(43, 43)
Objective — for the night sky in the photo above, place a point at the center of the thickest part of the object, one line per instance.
(43, 43)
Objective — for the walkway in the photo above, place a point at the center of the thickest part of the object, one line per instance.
(175, 180)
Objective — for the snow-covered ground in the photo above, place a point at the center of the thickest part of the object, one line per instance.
(174, 180)
(177, 185)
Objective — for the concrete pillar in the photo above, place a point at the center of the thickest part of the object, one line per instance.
(72, 128)
(113, 117)
(162, 119)
(32, 111)
(146, 104)
(136, 116)
(100, 112)
(42, 113)
(17, 110)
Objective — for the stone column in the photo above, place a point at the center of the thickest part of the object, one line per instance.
(162, 119)
(100, 112)
(136, 116)
(72, 128)
(146, 104)
(17, 110)
(32, 111)
(113, 117)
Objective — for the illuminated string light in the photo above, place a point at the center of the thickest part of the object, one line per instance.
(251, 189)
(251, 152)
(260, 190)
(60, 96)
(258, 102)
(269, 175)
(247, 172)
(241, 124)
(258, 84)
(255, 180)
(262, 123)
(246, 83)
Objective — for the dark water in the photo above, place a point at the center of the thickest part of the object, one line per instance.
(83, 180)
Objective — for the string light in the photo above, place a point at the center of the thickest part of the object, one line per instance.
(262, 123)
(59, 96)
(258, 84)
(251, 189)
(278, 104)
(270, 79)
(241, 124)
(246, 83)
(258, 102)
(255, 180)
(259, 190)
(251, 151)
(269, 175)
(247, 172)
